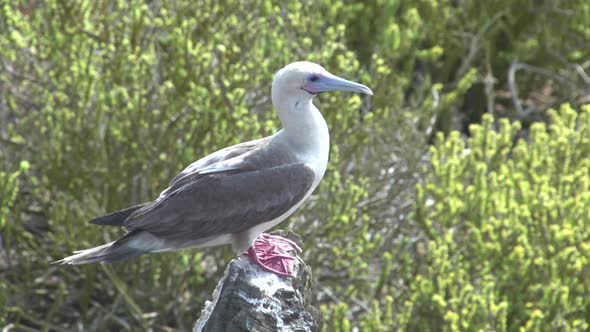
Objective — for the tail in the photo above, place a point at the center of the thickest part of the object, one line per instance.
(116, 218)
(130, 245)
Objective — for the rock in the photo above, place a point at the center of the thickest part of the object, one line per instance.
(248, 298)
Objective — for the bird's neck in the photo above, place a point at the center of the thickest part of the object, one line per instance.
(305, 130)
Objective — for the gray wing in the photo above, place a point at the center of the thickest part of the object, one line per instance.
(223, 160)
(231, 158)
(224, 202)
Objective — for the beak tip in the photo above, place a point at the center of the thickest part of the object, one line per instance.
(366, 90)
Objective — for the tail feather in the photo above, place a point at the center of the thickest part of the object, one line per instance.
(107, 253)
(116, 218)
(86, 256)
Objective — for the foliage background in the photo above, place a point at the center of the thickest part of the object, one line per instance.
(449, 204)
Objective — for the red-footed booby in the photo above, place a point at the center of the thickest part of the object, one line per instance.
(235, 194)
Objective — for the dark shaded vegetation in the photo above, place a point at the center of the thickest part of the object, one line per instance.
(101, 103)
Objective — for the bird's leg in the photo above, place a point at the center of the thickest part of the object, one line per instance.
(272, 254)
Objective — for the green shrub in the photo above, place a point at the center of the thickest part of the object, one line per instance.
(112, 100)
(108, 100)
(9, 189)
(505, 234)
(508, 227)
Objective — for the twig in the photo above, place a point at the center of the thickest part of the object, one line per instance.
(174, 119)
(9, 141)
(435, 104)
(542, 71)
(32, 319)
(475, 45)
(123, 290)
(514, 89)
(221, 85)
(23, 77)
(489, 81)
(328, 292)
(580, 70)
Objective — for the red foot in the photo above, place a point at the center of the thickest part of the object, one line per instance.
(272, 254)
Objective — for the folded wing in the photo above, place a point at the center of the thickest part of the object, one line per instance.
(224, 202)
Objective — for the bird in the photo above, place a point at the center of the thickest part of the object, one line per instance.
(235, 194)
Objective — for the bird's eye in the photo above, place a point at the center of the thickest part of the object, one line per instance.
(313, 78)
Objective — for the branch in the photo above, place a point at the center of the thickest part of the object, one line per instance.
(514, 89)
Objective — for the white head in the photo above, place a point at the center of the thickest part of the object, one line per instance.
(306, 79)
(297, 83)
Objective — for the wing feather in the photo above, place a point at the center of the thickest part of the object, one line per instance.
(224, 202)
(228, 159)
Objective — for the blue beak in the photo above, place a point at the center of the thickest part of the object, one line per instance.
(329, 82)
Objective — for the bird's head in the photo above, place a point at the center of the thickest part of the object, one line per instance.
(307, 79)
